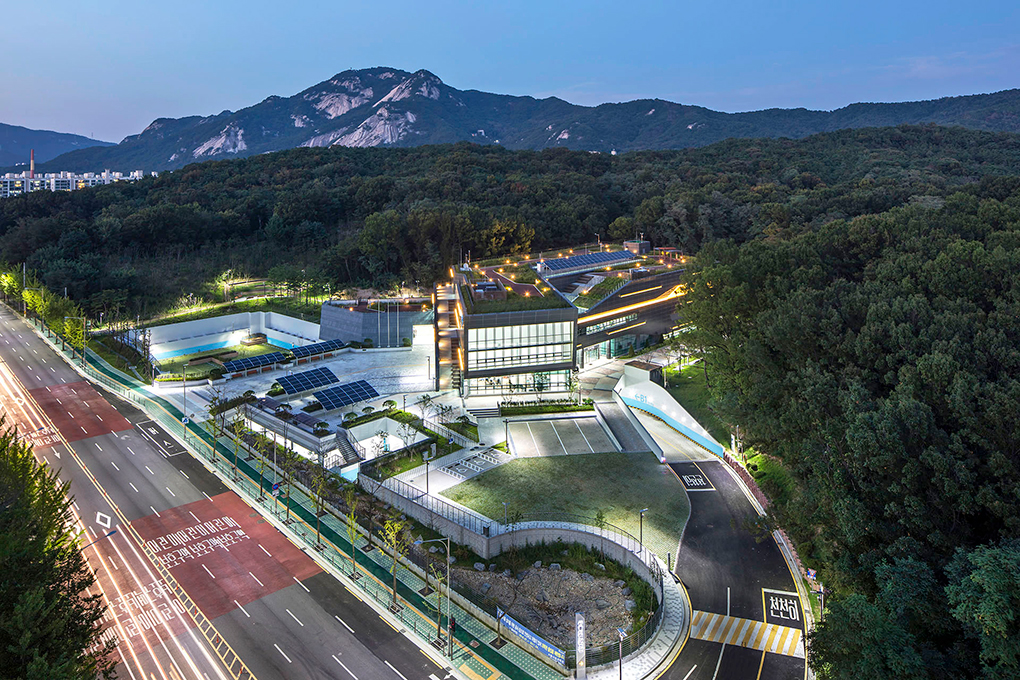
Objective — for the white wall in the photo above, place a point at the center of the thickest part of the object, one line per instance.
(228, 330)
(637, 391)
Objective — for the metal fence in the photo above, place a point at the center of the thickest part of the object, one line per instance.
(431, 504)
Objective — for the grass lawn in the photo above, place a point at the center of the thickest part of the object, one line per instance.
(618, 484)
(689, 389)
(176, 364)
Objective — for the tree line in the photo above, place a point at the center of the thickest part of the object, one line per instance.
(374, 216)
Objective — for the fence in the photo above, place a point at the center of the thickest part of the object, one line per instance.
(433, 506)
(452, 435)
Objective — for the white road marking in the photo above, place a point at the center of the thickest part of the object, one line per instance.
(265, 551)
(690, 671)
(395, 670)
(287, 657)
(150, 470)
(51, 368)
(171, 492)
(211, 574)
(257, 579)
(100, 417)
(301, 584)
(114, 466)
(154, 510)
(133, 487)
(195, 518)
(206, 495)
(345, 667)
(110, 557)
(130, 451)
(294, 617)
(84, 430)
(70, 414)
(58, 401)
(98, 446)
(185, 474)
(242, 609)
(343, 622)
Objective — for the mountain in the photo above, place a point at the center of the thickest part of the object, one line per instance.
(389, 107)
(16, 144)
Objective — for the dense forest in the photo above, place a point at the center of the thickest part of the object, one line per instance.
(878, 359)
(372, 216)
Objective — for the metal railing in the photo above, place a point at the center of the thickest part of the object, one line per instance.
(452, 435)
(431, 504)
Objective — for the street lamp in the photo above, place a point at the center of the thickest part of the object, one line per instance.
(111, 533)
(184, 382)
(641, 524)
(621, 633)
(427, 461)
(447, 541)
(506, 433)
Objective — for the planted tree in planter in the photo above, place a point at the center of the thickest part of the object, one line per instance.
(396, 539)
(351, 524)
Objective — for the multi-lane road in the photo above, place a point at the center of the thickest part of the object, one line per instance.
(269, 601)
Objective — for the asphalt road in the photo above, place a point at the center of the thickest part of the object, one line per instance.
(277, 609)
(728, 571)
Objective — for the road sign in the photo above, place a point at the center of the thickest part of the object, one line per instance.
(185, 420)
(812, 574)
(276, 486)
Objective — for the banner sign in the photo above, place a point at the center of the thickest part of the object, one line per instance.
(551, 651)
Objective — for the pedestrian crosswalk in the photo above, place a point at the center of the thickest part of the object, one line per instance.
(747, 633)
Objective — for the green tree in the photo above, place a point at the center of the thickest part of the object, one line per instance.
(984, 594)
(396, 538)
(50, 627)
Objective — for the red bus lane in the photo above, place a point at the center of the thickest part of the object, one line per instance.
(222, 553)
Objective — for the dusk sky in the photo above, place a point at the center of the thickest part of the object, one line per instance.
(109, 68)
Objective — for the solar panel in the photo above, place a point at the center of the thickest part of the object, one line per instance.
(345, 395)
(253, 362)
(268, 404)
(592, 259)
(317, 348)
(306, 419)
(309, 380)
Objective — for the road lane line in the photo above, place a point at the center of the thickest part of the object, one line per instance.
(394, 669)
(100, 417)
(242, 609)
(114, 466)
(84, 430)
(301, 584)
(345, 667)
(133, 487)
(98, 446)
(294, 617)
(154, 510)
(257, 579)
(206, 495)
(171, 492)
(344, 623)
(70, 414)
(113, 563)
(287, 657)
(130, 451)
(193, 515)
(185, 474)
(690, 671)
(265, 551)
(211, 574)
(150, 470)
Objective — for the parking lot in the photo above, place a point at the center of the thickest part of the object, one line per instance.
(559, 437)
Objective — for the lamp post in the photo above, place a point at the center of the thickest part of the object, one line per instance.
(446, 540)
(504, 513)
(184, 382)
(111, 533)
(641, 525)
(621, 633)
(506, 433)
(427, 461)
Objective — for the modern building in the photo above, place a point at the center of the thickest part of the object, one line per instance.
(15, 184)
(521, 330)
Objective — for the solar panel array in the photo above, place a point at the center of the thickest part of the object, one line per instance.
(308, 380)
(592, 259)
(253, 362)
(268, 404)
(345, 395)
(317, 348)
(306, 419)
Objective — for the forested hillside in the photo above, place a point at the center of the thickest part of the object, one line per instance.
(878, 358)
(350, 216)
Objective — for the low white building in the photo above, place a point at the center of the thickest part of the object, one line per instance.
(15, 184)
